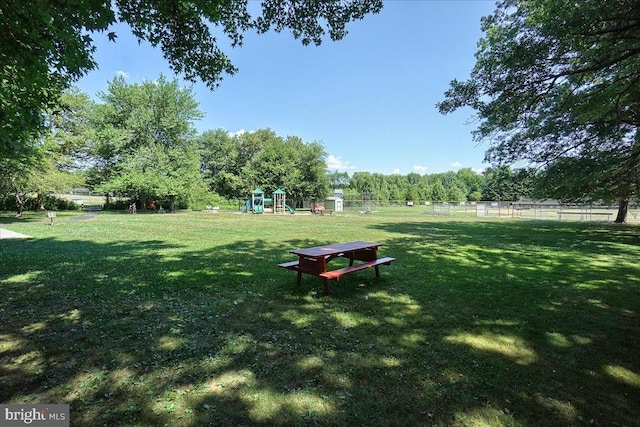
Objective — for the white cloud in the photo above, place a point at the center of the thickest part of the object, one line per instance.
(239, 133)
(395, 172)
(336, 163)
(456, 165)
(420, 170)
(479, 171)
(122, 74)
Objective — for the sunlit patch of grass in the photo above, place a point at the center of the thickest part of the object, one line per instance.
(511, 347)
(21, 278)
(310, 363)
(171, 343)
(580, 340)
(230, 381)
(84, 385)
(487, 417)
(298, 318)
(559, 340)
(27, 363)
(565, 410)
(11, 343)
(267, 406)
(353, 320)
(236, 344)
(34, 327)
(623, 375)
(411, 339)
(122, 378)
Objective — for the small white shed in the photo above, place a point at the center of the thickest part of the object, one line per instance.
(335, 203)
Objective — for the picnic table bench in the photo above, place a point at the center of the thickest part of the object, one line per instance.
(321, 211)
(314, 260)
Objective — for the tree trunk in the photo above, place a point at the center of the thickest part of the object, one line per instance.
(623, 209)
(40, 201)
(19, 204)
(172, 203)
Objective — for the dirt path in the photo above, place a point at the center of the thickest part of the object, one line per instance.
(88, 215)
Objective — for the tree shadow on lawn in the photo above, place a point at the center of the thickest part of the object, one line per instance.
(456, 332)
(551, 309)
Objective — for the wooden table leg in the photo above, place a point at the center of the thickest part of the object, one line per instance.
(327, 290)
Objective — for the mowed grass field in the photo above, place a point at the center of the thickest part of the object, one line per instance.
(185, 320)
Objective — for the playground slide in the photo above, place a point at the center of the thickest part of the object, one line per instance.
(258, 209)
(290, 209)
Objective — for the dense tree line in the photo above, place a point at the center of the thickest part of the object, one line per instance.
(139, 141)
(499, 183)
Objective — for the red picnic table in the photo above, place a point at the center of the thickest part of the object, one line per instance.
(315, 260)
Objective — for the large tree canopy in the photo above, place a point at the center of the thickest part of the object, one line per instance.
(559, 79)
(235, 165)
(145, 143)
(46, 45)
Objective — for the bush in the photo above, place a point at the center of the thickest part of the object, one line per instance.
(202, 199)
(117, 205)
(51, 203)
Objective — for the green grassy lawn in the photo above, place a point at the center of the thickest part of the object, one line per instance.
(185, 320)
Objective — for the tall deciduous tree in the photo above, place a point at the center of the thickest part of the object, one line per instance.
(47, 45)
(559, 79)
(338, 180)
(311, 164)
(235, 165)
(147, 147)
(504, 184)
(51, 156)
(220, 163)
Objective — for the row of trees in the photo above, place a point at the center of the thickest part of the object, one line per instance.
(499, 183)
(139, 141)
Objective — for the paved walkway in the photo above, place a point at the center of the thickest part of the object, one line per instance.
(8, 234)
(88, 215)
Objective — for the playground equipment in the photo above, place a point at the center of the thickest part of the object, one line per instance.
(260, 204)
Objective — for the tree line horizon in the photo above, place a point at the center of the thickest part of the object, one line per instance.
(139, 142)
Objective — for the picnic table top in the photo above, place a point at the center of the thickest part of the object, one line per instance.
(320, 251)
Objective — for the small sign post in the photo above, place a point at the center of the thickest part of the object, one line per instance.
(51, 215)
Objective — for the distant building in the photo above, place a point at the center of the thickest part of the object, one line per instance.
(335, 203)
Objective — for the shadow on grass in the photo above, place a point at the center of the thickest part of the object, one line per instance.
(501, 324)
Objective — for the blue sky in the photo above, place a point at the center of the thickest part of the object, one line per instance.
(369, 98)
